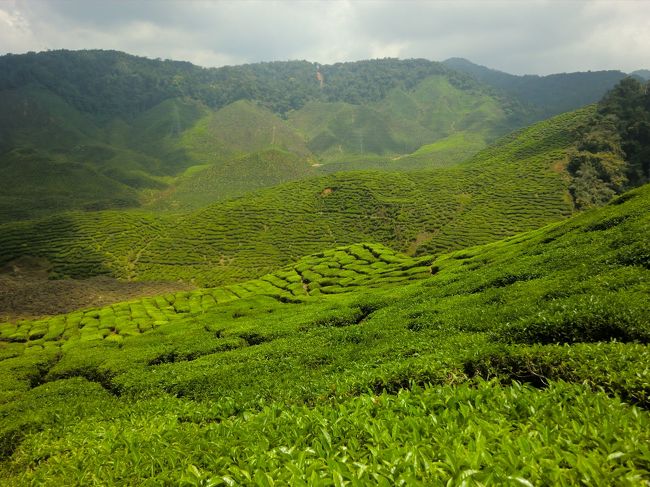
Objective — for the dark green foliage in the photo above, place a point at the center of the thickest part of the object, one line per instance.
(618, 368)
(123, 129)
(628, 107)
(111, 130)
(613, 148)
(550, 94)
(611, 316)
(115, 83)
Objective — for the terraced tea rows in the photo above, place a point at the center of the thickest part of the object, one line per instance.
(312, 390)
(517, 185)
(331, 272)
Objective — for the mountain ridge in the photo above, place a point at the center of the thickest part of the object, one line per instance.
(550, 94)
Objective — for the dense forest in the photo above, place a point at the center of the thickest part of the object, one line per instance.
(550, 94)
(115, 83)
(613, 153)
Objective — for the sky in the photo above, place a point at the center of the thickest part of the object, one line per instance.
(519, 37)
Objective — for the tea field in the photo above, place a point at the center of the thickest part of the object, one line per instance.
(518, 362)
(516, 185)
(334, 271)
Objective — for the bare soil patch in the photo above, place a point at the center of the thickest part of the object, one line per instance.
(26, 291)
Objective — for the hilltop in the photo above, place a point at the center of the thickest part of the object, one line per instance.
(238, 384)
(642, 73)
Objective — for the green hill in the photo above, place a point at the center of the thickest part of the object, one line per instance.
(518, 184)
(127, 129)
(336, 271)
(403, 121)
(201, 186)
(551, 94)
(208, 387)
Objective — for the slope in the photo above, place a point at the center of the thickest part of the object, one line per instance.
(133, 125)
(516, 185)
(551, 94)
(335, 271)
(201, 186)
(258, 390)
(436, 108)
(642, 73)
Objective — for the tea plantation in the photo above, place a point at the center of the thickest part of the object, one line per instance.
(516, 185)
(331, 272)
(518, 362)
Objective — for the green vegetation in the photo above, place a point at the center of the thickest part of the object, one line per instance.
(613, 151)
(111, 83)
(627, 105)
(334, 271)
(372, 385)
(518, 184)
(402, 121)
(393, 338)
(122, 130)
(236, 177)
(547, 95)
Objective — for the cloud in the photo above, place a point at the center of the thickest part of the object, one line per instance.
(521, 37)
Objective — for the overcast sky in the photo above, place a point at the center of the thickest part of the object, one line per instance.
(526, 36)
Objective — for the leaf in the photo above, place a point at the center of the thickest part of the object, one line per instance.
(229, 480)
(522, 481)
(615, 455)
(194, 471)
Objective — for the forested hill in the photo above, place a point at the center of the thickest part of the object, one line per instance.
(555, 93)
(642, 73)
(103, 129)
(117, 127)
(115, 83)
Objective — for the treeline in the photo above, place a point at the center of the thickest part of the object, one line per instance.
(613, 154)
(112, 83)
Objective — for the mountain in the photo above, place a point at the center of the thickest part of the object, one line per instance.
(551, 94)
(642, 73)
(520, 183)
(125, 131)
(266, 380)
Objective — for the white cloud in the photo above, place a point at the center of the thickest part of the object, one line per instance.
(538, 36)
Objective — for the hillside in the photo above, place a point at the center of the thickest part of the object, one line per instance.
(238, 176)
(126, 131)
(551, 94)
(333, 271)
(211, 387)
(642, 73)
(518, 184)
